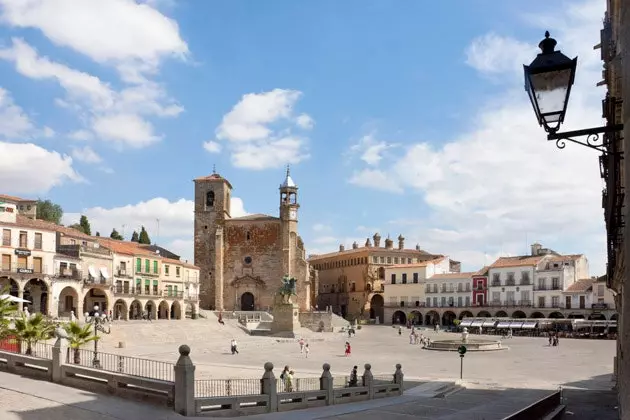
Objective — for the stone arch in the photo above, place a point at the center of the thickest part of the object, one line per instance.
(597, 317)
(501, 314)
(614, 317)
(575, 316)
(12, 284)
(519, 314)
(399, 317)
(248, 301)
(151, 308)
(176, 310)
(415, 317)
(96, 296)
(120, 310)
(135, 310)
(163, 310)
(556, 315)
(432, 318)
(465, 314)
(484, 314)
(377, 307)
(68, 302)
(448, 317)
(190, 311)
(210, 199)
(37, 291)
(537, 315)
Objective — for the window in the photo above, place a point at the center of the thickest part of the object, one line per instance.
(155, 287)
(147, 266)
(443, 301)
(555, 283)
(524, 277)
(408, 260)
(415, 277)
(166, 267)
(22, 262)
(147, 287)
(394, 278)
(524, 297)
(23, 239)
(496, 296)
(6, 262)
(392, 300)
(404, 278)
(382, 259)
(177, 271)
(395, 260)
(541, 283)
(510, 279)
(600, 290)
(467, 300)
(169, 290)
(38, 241)
(459, 301)
(353, 287)
(541, 301)
(496, 279)
(6, 237)
(389, 260)
(555, 301)
(510, 297)
(37, 265)
(374, 259)
(210, 199)
(435, 301)
(155, 267)
(428, 301)
(138, 265)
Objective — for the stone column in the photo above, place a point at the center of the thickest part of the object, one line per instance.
(368, 380)
(21, 296)
(57, 358)
(269, 387)
(398, 378)
(184, 383)
(326, 383)
(36, 299)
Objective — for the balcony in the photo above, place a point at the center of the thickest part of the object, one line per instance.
(98, 280)
(123, 272)
(510, 282)
(525, 282)
(134, 291)
(76, 250)
(23, 269)
(173, 294)
(542, 288)
(146, 273)
(496, 283)
(68, 274)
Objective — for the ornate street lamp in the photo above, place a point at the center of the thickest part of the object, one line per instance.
(101, 324)
(548, 82)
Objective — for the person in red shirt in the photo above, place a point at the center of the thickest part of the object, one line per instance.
(348, 349)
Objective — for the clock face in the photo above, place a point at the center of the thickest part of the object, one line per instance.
(293, 214)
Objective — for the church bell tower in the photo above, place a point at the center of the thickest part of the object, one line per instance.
(289, 218)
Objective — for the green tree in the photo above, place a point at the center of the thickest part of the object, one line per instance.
(33, 329)
(98, 234)
(144, 237)
(49, 211)
(116, 235)
(85, 224)
(7, 308)
(135, 237)
(78, 336)
(78, 227)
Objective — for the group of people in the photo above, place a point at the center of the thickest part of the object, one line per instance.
(553, 340)
(304, 348)
(415, 338)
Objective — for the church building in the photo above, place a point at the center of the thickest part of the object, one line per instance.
(242, 259)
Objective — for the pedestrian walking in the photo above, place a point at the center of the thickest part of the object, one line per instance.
(301, 343)
(307, 350)
(234, 347)
(348, 349)
(399, 330)
(288, 381)
(354, 378)
(221, 318)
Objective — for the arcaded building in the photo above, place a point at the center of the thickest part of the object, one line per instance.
(242, 259)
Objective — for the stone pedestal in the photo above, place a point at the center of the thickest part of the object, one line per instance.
(286, 320)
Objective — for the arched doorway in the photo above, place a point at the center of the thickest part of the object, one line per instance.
(176, 310)
(6, 282)
(120, 310)
(537, 315)
(556, 315)
(483, 314)
(432, 318)
(519, 314)
(465, 314)
(151, 309)
(575, 316)
(614, 317)
(190, 311)
(501, 314)
(247, 301)
(399, 317)
(95, 296)
(597, 317)
(163, 310)
(68, 301)
(448, 317)
(377, 310)
(36, 292)
(415, 318)
(135, 310)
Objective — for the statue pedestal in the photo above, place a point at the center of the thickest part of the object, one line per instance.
(286, 319)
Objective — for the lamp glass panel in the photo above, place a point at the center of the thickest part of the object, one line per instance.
(551, 90)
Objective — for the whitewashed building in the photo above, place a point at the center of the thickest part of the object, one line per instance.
(554, 275)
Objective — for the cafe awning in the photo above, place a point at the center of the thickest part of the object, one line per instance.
(466, 323)
(529, 325)
(503, 324)
(477, 323)
(489, 323)
(516, 324)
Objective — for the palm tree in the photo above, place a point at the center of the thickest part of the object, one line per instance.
(33, 329)
(77, 336)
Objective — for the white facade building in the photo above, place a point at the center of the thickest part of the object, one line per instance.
(452, 290)
(556, 274)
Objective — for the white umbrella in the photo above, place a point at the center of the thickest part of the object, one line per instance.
(12, 298)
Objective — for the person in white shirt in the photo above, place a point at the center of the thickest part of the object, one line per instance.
(233, 347)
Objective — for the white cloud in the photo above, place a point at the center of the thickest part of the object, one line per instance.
(212, 146)
(128, 129)
(325, 240)
(176, 220)
(14, 123)
(26, 168)
(258, 130)
(114, 31)
(500, 185)
(498, 55)
(81, 135)
(320, 227)
(305, 121)
(370, 149)
(48, 132)
(86, 154)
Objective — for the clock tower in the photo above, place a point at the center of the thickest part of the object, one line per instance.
(289, 219)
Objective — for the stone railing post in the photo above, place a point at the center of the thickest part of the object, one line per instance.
(268, 385)
(398, 378)
(184, 383)
(57, 351)
(326, 384)
(368, 380)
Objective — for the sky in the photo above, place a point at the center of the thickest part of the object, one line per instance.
(398, 117)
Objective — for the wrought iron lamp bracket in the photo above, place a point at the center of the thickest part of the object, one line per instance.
(594, 139)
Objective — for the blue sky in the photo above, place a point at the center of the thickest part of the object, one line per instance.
(401, 117)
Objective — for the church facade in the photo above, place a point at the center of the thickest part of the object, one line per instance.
(242, 259)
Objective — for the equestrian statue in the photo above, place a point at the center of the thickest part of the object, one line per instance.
(288, 289)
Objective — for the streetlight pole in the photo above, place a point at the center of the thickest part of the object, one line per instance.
(101, 324)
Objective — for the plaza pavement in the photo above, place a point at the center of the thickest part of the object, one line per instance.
(496, 383)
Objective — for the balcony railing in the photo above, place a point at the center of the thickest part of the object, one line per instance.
(68, 274)
(510, 282)
(146, 273)
(496, 283)
(509, 303)
(23, 269)
(525, 282)
(135, 291)
(173, 294)
(123, 272)
(540, 288)
(99, 279)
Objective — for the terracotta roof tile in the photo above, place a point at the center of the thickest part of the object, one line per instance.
(410, 253)
(580, 286)
(178, 262)
(519, 261)
(127, 248)
(566, 257)
(13, 198)
(483, 271)
(450, 276)
(213, 177)
(23, 221)
(253, 217)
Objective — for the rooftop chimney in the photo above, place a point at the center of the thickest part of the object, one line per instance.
(536, 248)
(389, 244)
(368, 243)
(342, 248)
(401, 242)
(418, 247)
(355, 245)
(377, 240)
